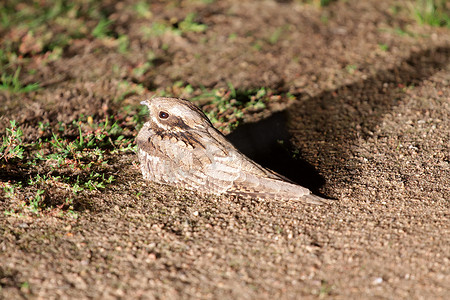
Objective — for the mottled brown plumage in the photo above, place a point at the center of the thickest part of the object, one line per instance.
(179, 146)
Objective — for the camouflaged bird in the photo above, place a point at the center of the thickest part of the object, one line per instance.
(179, 146)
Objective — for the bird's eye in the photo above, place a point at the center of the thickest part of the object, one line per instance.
(163, 115)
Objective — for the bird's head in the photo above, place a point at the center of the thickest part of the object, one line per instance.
(175, 114)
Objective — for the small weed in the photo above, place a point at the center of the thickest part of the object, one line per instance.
(3, 57)
(12, 147)
(157, 29)
(232, 36)
(395, 9)
(185, 26)
(140, 70)
(123, 44)
(351, 68)
(12, 83)
(324, 18)
(325, 289)
(96, 181)
(143, 9)
(323, 3)
(10, 189)
(318, 3)
(403, 32)
(431, 12)
(139, 115)
(275, 36)
(43, 127)
(34, 205)
(188, 25)
(383, 47)
(257, 46)
(25, 287)
(71, 213)
(127, 88)
(102, 29)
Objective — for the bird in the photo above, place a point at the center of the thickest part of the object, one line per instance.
(179, 146)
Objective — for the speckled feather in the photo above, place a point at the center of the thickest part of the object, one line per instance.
(186, 151)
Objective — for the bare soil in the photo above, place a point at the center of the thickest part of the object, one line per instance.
(369, 127)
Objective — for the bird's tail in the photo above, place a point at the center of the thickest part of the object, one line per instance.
(274, 189)
(313, 199)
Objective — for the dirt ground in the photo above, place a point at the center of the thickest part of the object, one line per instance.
(367, 123)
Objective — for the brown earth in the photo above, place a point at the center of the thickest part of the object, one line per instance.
(371, 126)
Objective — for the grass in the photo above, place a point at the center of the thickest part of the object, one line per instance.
(189, 24)
(102, 29)
(37, 20)
(275, 36)
(351, 69)
(142, 9)
(425, 12)
(383, 47)
(127, 88)
(179, 28)
(45, 31)
(318, 3)
(123, 44)
(40, 32)
(11, 147)
(225, 107)
(325, 289)
(66, 166)
(12, 83)
(431, 12)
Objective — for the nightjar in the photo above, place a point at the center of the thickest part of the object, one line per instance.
(179, 146)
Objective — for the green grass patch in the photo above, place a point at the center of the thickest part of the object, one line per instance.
(46, 28)
(63, 166)
(351, 69)
(102, 29)
(432, 12)
(318, 3)
(12, 147)
(275, 36)
(225, 107)
(188, 24)
(383, 47)
(143, 9)
(12, 83)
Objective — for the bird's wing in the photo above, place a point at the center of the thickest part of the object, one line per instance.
(256, 181)
(246, 163)
(192, 160)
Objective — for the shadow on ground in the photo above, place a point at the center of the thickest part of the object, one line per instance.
(337, 117)
(267, 143)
